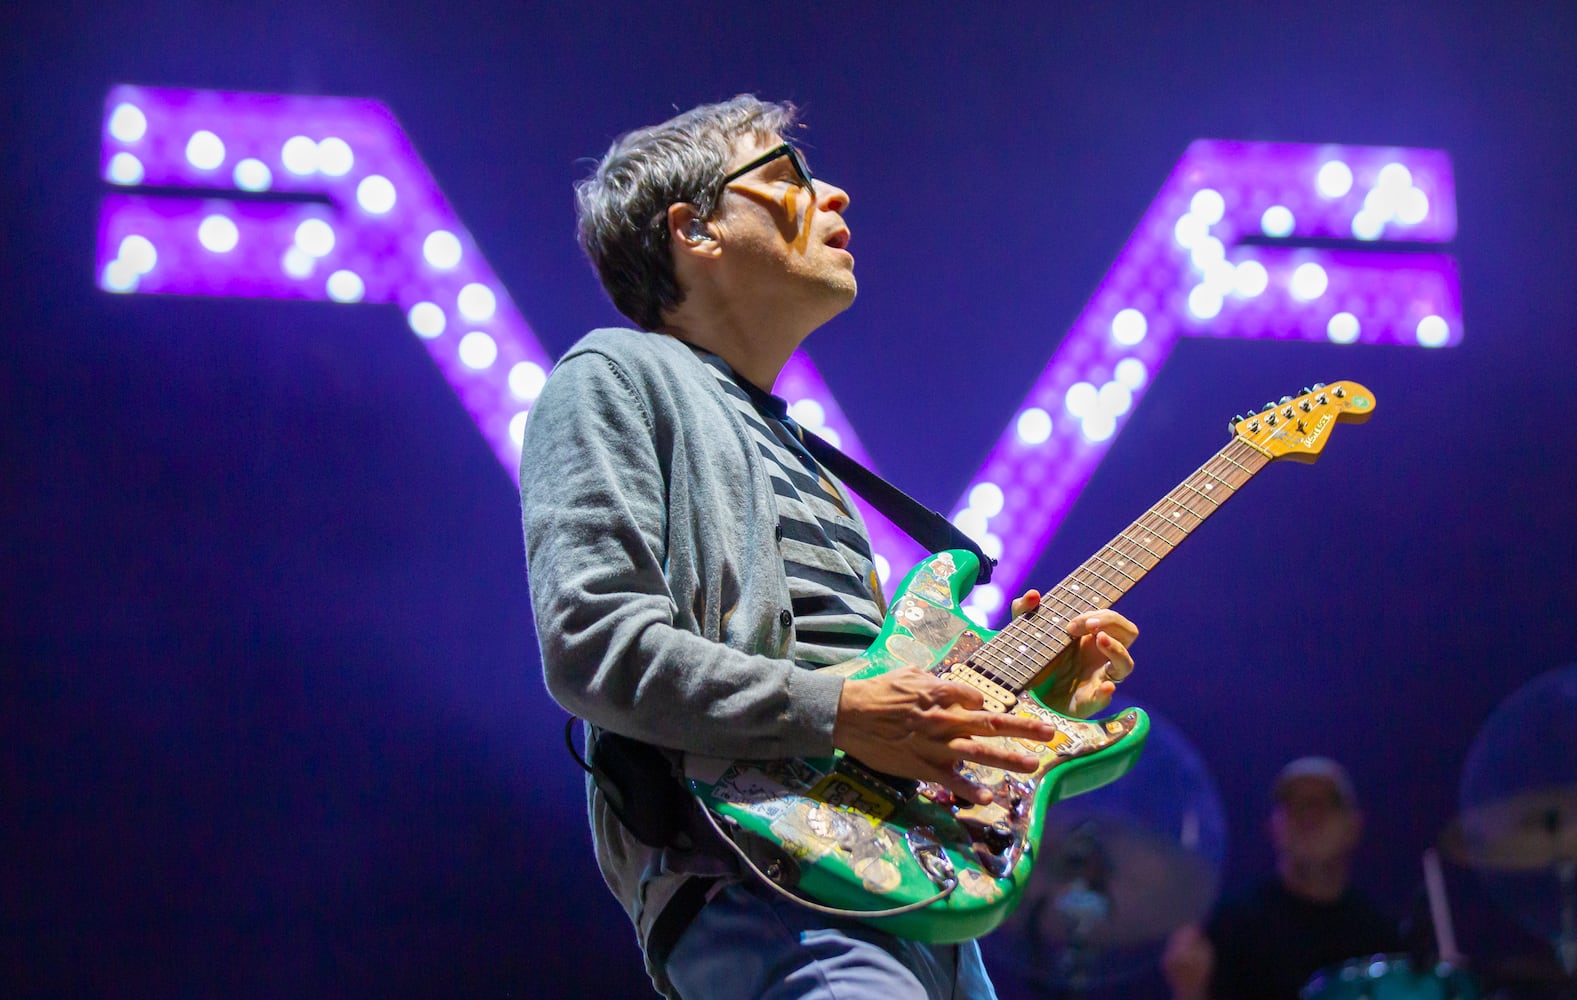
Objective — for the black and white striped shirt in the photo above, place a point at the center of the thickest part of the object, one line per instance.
(837, 600)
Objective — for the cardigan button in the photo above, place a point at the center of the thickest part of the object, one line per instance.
(777, 533)
(786, 619)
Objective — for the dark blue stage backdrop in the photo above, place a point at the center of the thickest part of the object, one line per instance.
(273, 716)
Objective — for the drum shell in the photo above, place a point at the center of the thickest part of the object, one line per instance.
(1390, 977)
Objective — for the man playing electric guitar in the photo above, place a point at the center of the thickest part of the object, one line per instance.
(691, 564)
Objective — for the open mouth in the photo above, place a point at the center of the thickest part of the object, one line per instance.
(839, 239)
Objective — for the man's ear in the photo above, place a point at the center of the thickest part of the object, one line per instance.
(690, 233)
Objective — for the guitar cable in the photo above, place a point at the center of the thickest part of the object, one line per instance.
(948, 885)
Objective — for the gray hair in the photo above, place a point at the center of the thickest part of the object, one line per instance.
(622, 208)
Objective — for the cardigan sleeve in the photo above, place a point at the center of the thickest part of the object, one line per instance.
(594, 494)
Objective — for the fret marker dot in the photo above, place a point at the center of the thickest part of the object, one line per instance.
(1074, 587)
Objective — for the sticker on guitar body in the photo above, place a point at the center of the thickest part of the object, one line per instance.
(933, 627)
(767, 788)
(811, 830)
(934, 581)
(1074, 738)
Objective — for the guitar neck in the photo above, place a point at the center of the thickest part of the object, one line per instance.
(1022, 650)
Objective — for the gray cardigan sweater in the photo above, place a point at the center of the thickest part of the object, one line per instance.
(656, 581)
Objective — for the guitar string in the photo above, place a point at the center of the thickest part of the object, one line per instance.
(1028, 632)
(1060, 598)
(1082, 578)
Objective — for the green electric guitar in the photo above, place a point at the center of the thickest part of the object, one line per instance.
(908, 856)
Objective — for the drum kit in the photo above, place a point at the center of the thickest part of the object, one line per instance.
(1112, 884)
(1529, 832)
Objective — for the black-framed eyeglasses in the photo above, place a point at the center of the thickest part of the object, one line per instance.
(786, 149)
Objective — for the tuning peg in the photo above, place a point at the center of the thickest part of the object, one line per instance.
(1285, 400)
(1269, 406)
(1317, 386)
(1306, 391)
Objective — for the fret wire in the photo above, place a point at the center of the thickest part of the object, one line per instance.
(981, 663)
(1179, 526)
(1250, 455)
(1235, 474)
(985, 661)
(1179, 507)
(1090, 595)
(1115, 566)
(1164, 528)
(1070, 610)
(1223, 481)
(1022, 632)
(1161, 534)
(1120, 559)
(1032, 633)
(1246, 455)
(1156, 556)
(1073, 607)
(1179, 504)
(1158, 533)
(1116, 550)
(1058, 600)
(1240, 468)
(1087, 568)
(1201, 493)
(1048, 637)
(1036, 637)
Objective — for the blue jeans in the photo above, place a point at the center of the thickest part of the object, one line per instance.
(748, 942)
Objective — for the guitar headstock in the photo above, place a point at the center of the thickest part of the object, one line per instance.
(1297, 427)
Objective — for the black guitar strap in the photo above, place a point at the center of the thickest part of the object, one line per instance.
(928, 527)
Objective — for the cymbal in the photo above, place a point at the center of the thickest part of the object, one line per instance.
(1529, 831)
(1109, 882)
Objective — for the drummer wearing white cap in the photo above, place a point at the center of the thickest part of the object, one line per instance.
(1268, 942)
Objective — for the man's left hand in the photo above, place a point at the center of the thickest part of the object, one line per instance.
(1086, 680)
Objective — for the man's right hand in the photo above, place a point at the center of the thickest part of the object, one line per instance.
(912, 724)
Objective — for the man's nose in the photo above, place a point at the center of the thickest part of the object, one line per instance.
(830, 197)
